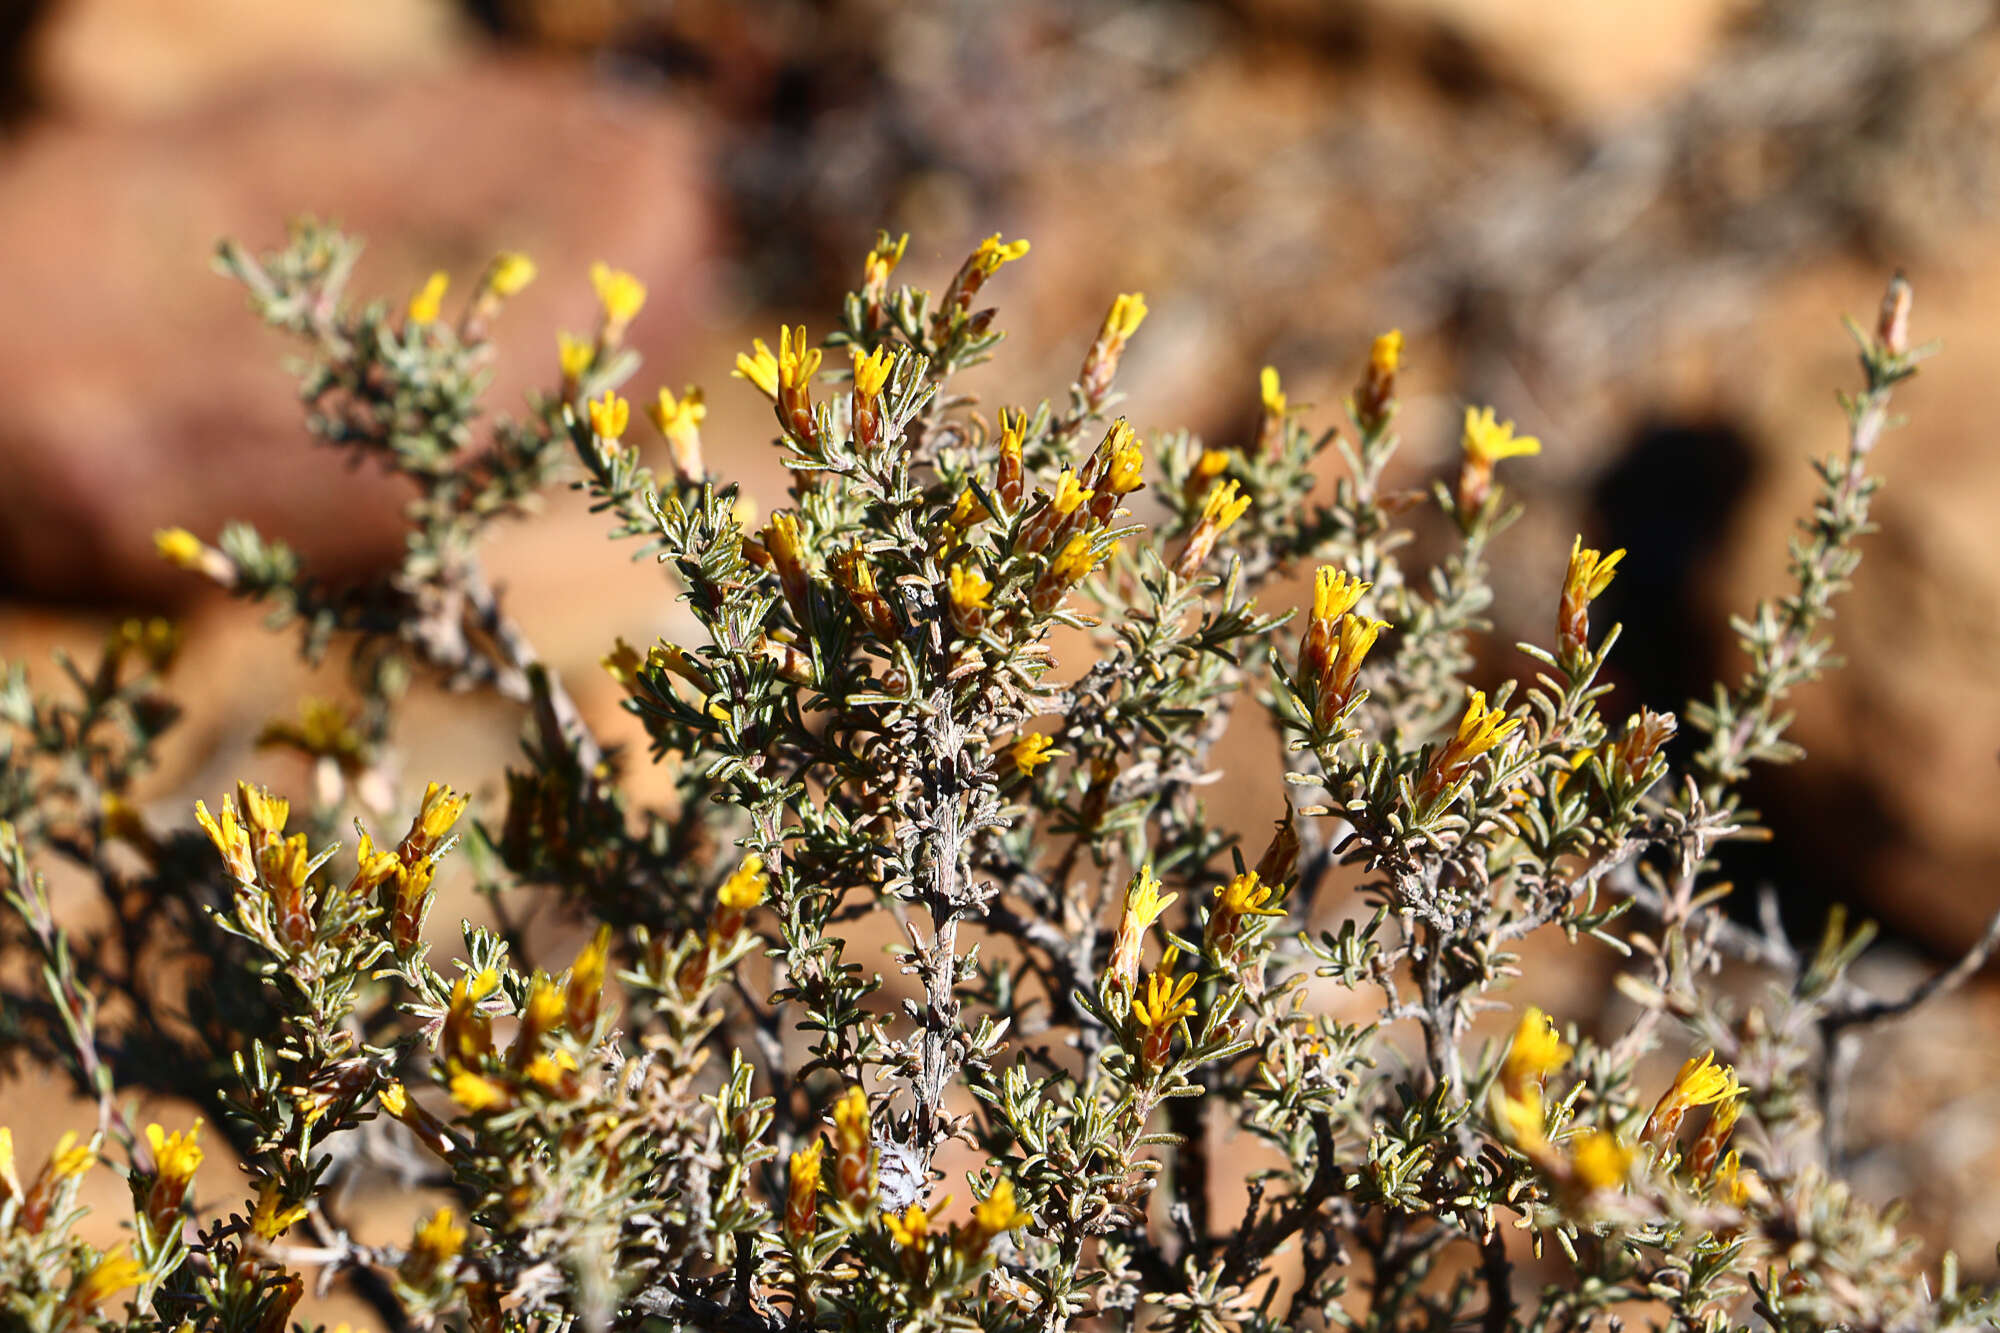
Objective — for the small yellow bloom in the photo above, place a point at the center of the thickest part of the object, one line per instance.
(436, 813)
(675, 416)
(1069, 494)
(883, 258)
(509, 273)
(871, 371)
(111, 1274)
(1487, 442)
(1600, 1161)
(1732, 1183)
(967, 510)
(1482, 728)
(179, 547)
(618, 292)
(1161, 1006)
(177, 1155)
(1125, 460)
(622, 663)
(10, 1179)
(991, 254)
(610, 415)
(854, 1147)
(71, 1157)
(746, 885)
(584, 993)
(271, 1221)
(969, 590)
(1030, 752)
(1212, 464)
(1537, 1051)
(1335, 593)
(1700, 1082)
(395, 1099)
(1273, 392)
(476, 1092)
(1075, 561)
(1128, 312)
(759, 368)
(912, 1229)
(998, 1212)
(1224, 506)
(1590, 573)
(1143, 900)
(802, 1190)
(798, 362)
(439, 1239)
(429, 299)
(1386, 356)
(574, 355)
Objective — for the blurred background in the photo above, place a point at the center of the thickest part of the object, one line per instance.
(1632, 228)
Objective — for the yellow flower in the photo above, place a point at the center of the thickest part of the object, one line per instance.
(758, 367)
(746, 885)
(1335, 593)
(1162, 1005)
(1599, 1160)
(1700, 1082)
(967, 510)
(71, 1158)
(991, 254)
(175, 1155)
(1125, 461)
(1143, 900)
(1075, 560)
(574, 355)
(622, 663)
(1273, 392)
(425, 304)
(675, 416)
(854, 1147)
(271, 1221)
(107, 1277)
(1030, 752)
(10, 1180)
(584, 993)
(912, 1229)
(969, 590)
(1482, 728)
(802, 1192)
(1244, 896)
(1589, 572)
(439, 1239)
(1212, 464)
(1487, 442)
(1128, 312)
(797, 361)
(610, 415)
(395, 1099)
(995, 1214)
(1224, 506)
(1732, 1183)
(179, 547)
(436, 813)
(871, 371)
(1386, 356)
(509, 273)
(1537, 1050)
(883, 258)
(618, 292)
(1069, 494)
(476, 1092)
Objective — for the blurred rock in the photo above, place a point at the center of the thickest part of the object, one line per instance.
(144, 58)
(141, 393)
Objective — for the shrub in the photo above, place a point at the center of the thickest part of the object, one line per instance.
(963, 689)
